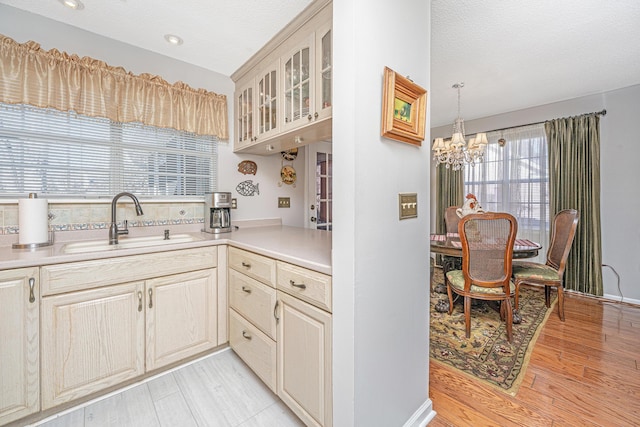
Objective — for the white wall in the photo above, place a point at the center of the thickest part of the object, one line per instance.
(619, 176)
(380, 264)
(24, 26)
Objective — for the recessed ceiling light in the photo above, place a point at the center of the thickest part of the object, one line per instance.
(72, 4)
(173, 39)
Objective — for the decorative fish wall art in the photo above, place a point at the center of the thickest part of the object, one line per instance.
(248, 188)
(247, 167)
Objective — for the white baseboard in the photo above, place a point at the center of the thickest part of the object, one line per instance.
(618, 298)
(422, 416)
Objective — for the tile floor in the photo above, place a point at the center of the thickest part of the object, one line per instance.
(216, 391)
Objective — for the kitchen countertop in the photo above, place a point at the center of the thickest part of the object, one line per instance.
(300, 246)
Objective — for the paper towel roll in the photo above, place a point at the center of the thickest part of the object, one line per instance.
(33, 221)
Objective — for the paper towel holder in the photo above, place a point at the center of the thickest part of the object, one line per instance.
(34, 245)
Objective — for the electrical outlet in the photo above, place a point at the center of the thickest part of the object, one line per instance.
(284, 202)
(408, 205)
(234, 203)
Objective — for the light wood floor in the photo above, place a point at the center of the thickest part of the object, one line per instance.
(583, 372)
(217, 391)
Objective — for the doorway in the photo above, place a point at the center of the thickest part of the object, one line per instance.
(320, 186)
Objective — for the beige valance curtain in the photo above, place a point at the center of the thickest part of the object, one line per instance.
(54, 79)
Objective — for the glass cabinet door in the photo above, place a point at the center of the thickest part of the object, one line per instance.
(297, 88)
(245, 115)
(324, 60)
(268, 101)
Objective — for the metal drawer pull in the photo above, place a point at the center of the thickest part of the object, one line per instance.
(246, 265)
(32, 283)
(150, 297)
(275, 311)
(246, 335)
(297, 285)
(139, 300)
(247, 290)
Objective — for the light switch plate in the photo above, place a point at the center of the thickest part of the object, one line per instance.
(408, 204)
(284, 202)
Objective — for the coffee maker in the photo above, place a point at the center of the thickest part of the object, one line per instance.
(217, 212)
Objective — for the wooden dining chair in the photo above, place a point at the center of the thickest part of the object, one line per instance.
(487, 252)
(451, 219)
(550, 274)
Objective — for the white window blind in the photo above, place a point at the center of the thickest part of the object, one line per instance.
(514, 178)
(56, 153)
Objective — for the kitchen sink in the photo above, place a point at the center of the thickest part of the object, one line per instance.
(127, 243)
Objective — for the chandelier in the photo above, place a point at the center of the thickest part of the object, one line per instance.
(455, 152)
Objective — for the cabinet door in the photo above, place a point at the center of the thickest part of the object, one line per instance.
(298, 84)
(91, 340)
(19, 359)
(181, 316)
(324, 72)
(304, 360)
(267, 113)
(244, 115)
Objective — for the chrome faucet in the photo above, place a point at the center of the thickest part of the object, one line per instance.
(113, 228)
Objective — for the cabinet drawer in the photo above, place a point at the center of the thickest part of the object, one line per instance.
(254, 300)
(76, 276)
(308, 285)
(256, 349)
(253, 265)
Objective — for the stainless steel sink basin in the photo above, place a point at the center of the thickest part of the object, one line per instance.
(127, 243)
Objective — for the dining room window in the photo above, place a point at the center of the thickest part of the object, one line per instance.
(65, 154)
(514, 178)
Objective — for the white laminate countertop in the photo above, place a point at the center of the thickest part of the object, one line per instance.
(300, 246)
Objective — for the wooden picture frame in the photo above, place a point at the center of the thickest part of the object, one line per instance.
(404, 108)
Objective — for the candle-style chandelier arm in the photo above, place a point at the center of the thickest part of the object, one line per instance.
(455, 152)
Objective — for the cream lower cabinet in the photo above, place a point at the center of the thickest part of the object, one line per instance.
(280, 325)
(252, 324)
(181, 316)
(113, 332)
(19, 348)
(304, 360)
(91, 340)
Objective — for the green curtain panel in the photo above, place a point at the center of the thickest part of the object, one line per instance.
(574, 182)
(449, 192)
(449, 189)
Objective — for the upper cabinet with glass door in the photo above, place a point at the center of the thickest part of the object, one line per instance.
(256, 107)
(283, 94)
(324, 71)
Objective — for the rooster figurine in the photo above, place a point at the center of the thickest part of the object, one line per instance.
(470, 206)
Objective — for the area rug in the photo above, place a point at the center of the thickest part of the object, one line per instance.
(487, 355)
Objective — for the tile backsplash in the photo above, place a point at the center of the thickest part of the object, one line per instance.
(96, 216)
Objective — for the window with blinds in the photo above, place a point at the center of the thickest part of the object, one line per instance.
(514, 178)
(63, 154)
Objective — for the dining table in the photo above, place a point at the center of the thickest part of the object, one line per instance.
(450, 246)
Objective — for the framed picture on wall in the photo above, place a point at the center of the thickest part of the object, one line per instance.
(404, 109)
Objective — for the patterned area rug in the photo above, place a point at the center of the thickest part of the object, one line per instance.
(487, 355)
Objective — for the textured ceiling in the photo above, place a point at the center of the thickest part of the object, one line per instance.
(513, 54)
(219, 35)
(510, 54)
